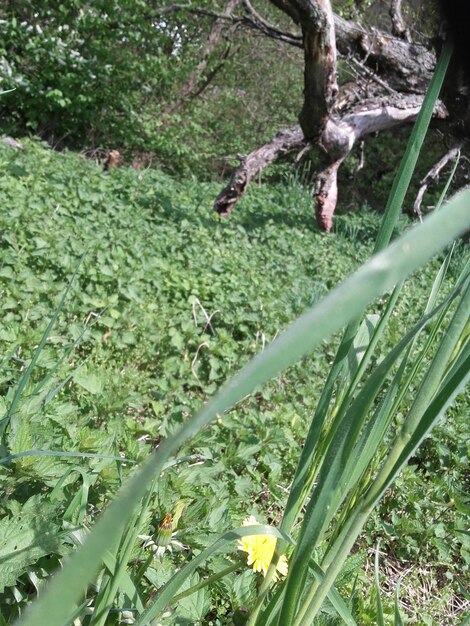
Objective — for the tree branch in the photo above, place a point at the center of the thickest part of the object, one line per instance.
(199, 78)
(433, 175)
(399, 28)
(337, 140)
(284, 142)
(404, 66)
(254, 20)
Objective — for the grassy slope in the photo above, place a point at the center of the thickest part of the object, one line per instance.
(169, 301)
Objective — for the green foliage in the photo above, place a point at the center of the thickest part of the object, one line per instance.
(168, 302)
(80, 69)
(118, 74)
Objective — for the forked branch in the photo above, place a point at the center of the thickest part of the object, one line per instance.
(434, 173)
(338, 140)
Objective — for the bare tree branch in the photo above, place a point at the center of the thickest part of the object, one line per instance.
(403, 65)
(198, 79)
(368, 73)
(340, 136)
(433, 174)
(173, 8)
(253, 19)
(337, 141)
(284, 142)
(394, 75)
(399, 28)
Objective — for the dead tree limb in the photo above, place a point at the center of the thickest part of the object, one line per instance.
(406, 66)
(399, 28)
(200, 77)
(284, 142)
(253, 19)
(399, 69)
(338, 139)
(433, 175)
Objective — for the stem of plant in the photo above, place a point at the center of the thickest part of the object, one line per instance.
(208, 581)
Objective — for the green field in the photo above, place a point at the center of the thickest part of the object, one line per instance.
(166, 302)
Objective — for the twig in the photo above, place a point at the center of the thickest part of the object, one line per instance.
(433, 175)
(194, 361)
(360, 165)
(372, 75)
(399, 28)
(251, 18)
(208, 318)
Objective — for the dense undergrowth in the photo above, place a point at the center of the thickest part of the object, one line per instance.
(168, 301)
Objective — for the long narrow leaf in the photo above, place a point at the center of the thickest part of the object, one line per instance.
(455, 384)
(339, 465)
(27, 373)
(413, 148)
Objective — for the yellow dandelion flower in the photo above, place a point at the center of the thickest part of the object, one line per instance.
(260, 550)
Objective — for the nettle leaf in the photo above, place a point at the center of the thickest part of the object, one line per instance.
(218, 515)
(243, 588)
(248, 451)
(195, 606)
(25, 538)
(243, 486)
(88, 380)
(20, 440)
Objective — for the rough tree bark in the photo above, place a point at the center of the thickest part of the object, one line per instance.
(394, 76)
(284, 142)
(399, 28)
(371, 116)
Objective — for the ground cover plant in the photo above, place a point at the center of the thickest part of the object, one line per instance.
(167, 302)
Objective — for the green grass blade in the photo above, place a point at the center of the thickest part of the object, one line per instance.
(392, 211)
(337, 602)
(375, 430)
(62, 453)
(454, 385)
(413, 148)
(339, 465)
(397, 620)
(405, 444)
(338, 308)
(27, 374)
(333, 596)
(208, 581)
(126, 583)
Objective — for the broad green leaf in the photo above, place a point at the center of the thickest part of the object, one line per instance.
(25, 538)
(195, 606)
(88, 380)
